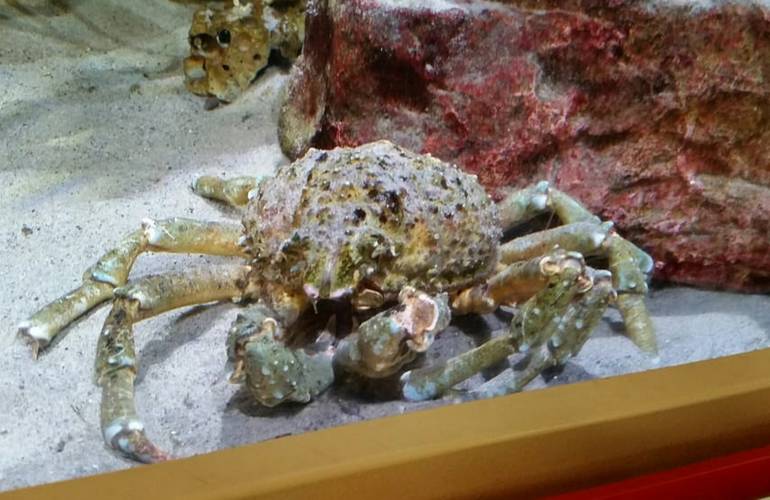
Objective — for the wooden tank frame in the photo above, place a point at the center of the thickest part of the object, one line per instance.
(524, 445)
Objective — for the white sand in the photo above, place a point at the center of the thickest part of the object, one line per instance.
(96, 133)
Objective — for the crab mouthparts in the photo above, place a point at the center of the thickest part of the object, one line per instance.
(323, 290)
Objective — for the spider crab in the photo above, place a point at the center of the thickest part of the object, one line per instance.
(399, 242)
(230, 45)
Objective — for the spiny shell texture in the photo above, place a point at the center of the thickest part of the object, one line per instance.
(377, 217)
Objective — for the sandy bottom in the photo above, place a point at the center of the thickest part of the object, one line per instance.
(96, 133)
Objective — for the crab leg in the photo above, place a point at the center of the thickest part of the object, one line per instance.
(234, 192)
(585, 237)
(528, 330)
(384, 343)
(116, 362)
(515, 283)
(523, 204)
(176, 235)
(629, 264)
(631, 286)
(565, 337)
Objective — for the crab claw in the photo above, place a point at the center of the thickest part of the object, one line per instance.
(275, 373)
(272, 372)
(389, 340)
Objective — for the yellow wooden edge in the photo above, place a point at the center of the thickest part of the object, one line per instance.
(534, 443)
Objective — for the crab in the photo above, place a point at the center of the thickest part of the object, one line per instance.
(229, 46)
(387, 244)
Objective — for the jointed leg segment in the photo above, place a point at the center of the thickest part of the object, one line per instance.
(234, 192)
(564, 275)
(515, 283)
(585, 233)
(176, 235)
(563, 337)
(116, 362)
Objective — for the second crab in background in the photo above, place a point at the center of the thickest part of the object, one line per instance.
(231, 43)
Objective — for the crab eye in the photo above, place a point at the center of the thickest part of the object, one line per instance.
(223, 37)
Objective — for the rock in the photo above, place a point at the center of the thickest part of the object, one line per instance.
(654, 114)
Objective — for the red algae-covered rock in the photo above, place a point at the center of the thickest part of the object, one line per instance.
(654, 114)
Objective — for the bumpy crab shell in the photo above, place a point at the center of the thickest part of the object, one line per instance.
(378, 217)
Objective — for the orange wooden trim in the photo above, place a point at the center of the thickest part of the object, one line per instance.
(534, 443)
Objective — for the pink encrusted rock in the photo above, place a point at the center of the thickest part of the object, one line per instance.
(654, 114)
